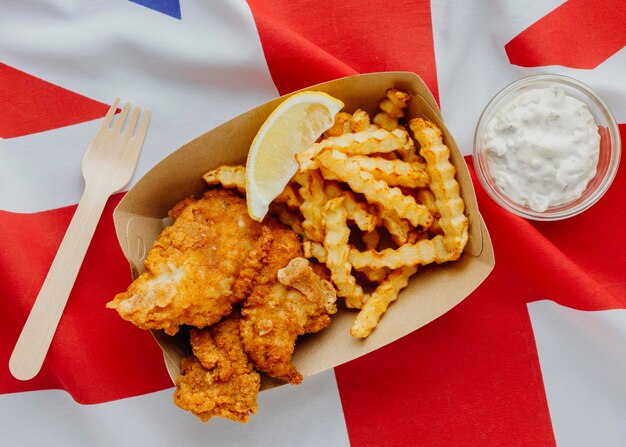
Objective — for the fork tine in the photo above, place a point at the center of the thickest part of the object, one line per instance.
(143, 126)
(109, 116)
(130, 127)
(135, 143)
(121, 118)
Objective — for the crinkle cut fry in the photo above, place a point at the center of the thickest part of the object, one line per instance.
(359, 212)
(371, 239)
(338, 166)
(287, 216)
(378, 302)
(314, 198)
(444, 186)
(397, 227)
(387, 106)
(228, 176)
(394, 172)
(366, 142)
(374, 275)
(385, 121)
(289, 197)
(360, 121)
(392, 108)
(398, 97)
(423, 252)
(317, 251)
(340, 126)
(427, 197)
(408, 152)
(314, 250)
(337, 251)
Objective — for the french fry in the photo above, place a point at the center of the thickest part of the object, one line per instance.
(314, 250)
(408, 151)
(425, 251)
(374, 275)
(360, 121)
(317, 251)
(289, 196)
(371, 239)
(397, 227)
(387, 106)
(337, 251)
(340, 126)
(417, 234)
(385, 121)
(378, 302)
(359, 212)
(394, 172)
(391, 109)
(398, 97)
(287, 216)
(365, 142)
(338, 166)
(314, 198)
(368, 171)
(444, 186)
(389, 155)
(427, 197)
(227, 177)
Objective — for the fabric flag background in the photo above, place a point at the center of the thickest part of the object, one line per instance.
(536, 356)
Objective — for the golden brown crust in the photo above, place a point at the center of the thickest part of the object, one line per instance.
(192, 268)
(274, 315)
(219, 379)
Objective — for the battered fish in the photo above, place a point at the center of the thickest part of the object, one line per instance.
(192, 269)
(274, 314)
(218, 379)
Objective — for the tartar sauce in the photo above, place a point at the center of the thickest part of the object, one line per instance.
(542, 148)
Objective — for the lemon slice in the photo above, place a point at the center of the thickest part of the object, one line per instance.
(291, 128)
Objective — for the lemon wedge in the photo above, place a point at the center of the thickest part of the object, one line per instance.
(291, 128)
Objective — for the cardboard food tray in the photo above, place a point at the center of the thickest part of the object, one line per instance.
(433, 290)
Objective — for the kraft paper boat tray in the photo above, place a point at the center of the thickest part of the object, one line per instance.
(142, 214)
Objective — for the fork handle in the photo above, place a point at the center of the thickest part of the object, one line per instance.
(33, 343)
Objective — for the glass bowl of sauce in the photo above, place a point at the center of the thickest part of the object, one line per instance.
(546, 147)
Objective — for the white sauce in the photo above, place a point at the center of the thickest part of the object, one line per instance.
(542, 148)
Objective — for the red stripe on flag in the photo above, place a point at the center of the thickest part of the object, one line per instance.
(473, 377)
(586, 241)
(95, 355)
(581, 34)
(32, 105)
(304, 45)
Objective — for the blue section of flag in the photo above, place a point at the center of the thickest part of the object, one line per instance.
(169, 7)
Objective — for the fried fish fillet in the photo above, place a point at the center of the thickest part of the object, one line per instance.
(192, 269)
(218, 379)
(274, 314)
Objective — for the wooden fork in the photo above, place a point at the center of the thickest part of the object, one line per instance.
(108, 166)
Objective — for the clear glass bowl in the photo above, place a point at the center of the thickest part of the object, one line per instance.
(610, 146)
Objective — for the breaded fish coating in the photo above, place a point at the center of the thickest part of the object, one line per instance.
(192, 269)
(274, 314)
(218, 379)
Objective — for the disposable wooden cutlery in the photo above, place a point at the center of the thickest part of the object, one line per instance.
(107, 167)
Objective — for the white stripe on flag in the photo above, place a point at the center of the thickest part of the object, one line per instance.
(472, 64)
(309, 414)
(583, 360)
(43, 170)
(193, 74)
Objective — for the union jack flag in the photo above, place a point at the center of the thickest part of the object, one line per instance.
(536, 356)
